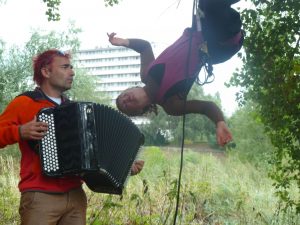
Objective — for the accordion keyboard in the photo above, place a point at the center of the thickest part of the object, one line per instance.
(48, 143)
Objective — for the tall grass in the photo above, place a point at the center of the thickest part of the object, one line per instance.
(9, 194)
(215, 190)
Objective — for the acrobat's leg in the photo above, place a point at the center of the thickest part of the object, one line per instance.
(210, 4)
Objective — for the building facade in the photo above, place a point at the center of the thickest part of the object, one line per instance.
(114, 68)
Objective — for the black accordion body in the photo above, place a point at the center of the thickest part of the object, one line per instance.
(91, 140)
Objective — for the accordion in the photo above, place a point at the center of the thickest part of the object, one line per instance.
(93, 141)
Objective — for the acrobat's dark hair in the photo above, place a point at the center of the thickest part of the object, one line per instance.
(152, 108)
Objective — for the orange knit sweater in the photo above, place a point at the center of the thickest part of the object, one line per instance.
(20, 111)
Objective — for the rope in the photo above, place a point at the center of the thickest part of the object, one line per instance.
(183, 125)
(197, 14)
(203, 53)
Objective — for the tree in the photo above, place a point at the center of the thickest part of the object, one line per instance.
(157, 128)
(200, 128)
(197, 127)
(252, 144)
(16, 66)
(53, 13)
(270, 77)
(84, 89)
(53, 8)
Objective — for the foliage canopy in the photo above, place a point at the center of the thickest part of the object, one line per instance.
(53, 8)
(16, 66)
(270, 77)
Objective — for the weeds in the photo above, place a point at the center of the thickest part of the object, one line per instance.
(213, 191)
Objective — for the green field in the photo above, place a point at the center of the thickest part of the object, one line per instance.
(216, 188)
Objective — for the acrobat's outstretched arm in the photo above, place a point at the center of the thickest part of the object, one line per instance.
(116, 41)
(139, 45)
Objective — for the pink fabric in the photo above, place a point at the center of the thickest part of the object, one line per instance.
(175, 58)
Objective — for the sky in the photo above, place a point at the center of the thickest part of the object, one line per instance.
(158, 21)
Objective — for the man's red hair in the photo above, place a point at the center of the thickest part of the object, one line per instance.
(43, 59)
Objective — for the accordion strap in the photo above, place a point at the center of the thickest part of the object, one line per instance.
(37, 94)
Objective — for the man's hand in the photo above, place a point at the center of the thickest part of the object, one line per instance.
(33, 130)
(136, 167)
(223, 134)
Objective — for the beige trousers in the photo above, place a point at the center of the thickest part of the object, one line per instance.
(38, 208)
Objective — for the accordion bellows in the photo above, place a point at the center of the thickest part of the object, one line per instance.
(90, 140)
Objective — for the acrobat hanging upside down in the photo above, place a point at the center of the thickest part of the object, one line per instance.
(169, 78)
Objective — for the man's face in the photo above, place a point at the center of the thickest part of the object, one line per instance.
(60, 74)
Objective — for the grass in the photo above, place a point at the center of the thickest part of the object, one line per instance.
(214, 190)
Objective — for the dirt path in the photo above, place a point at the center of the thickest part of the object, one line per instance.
(201, 148)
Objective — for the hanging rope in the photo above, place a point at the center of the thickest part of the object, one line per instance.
(197, 14)
(209, 76)
(183, 123)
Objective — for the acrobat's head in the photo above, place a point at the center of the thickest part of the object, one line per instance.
(134, 102)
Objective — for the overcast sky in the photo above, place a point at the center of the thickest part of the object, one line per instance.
(159, 21)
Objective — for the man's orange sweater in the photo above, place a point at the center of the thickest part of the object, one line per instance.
(20, 111)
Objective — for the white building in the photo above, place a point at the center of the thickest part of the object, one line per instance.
(114, 68)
